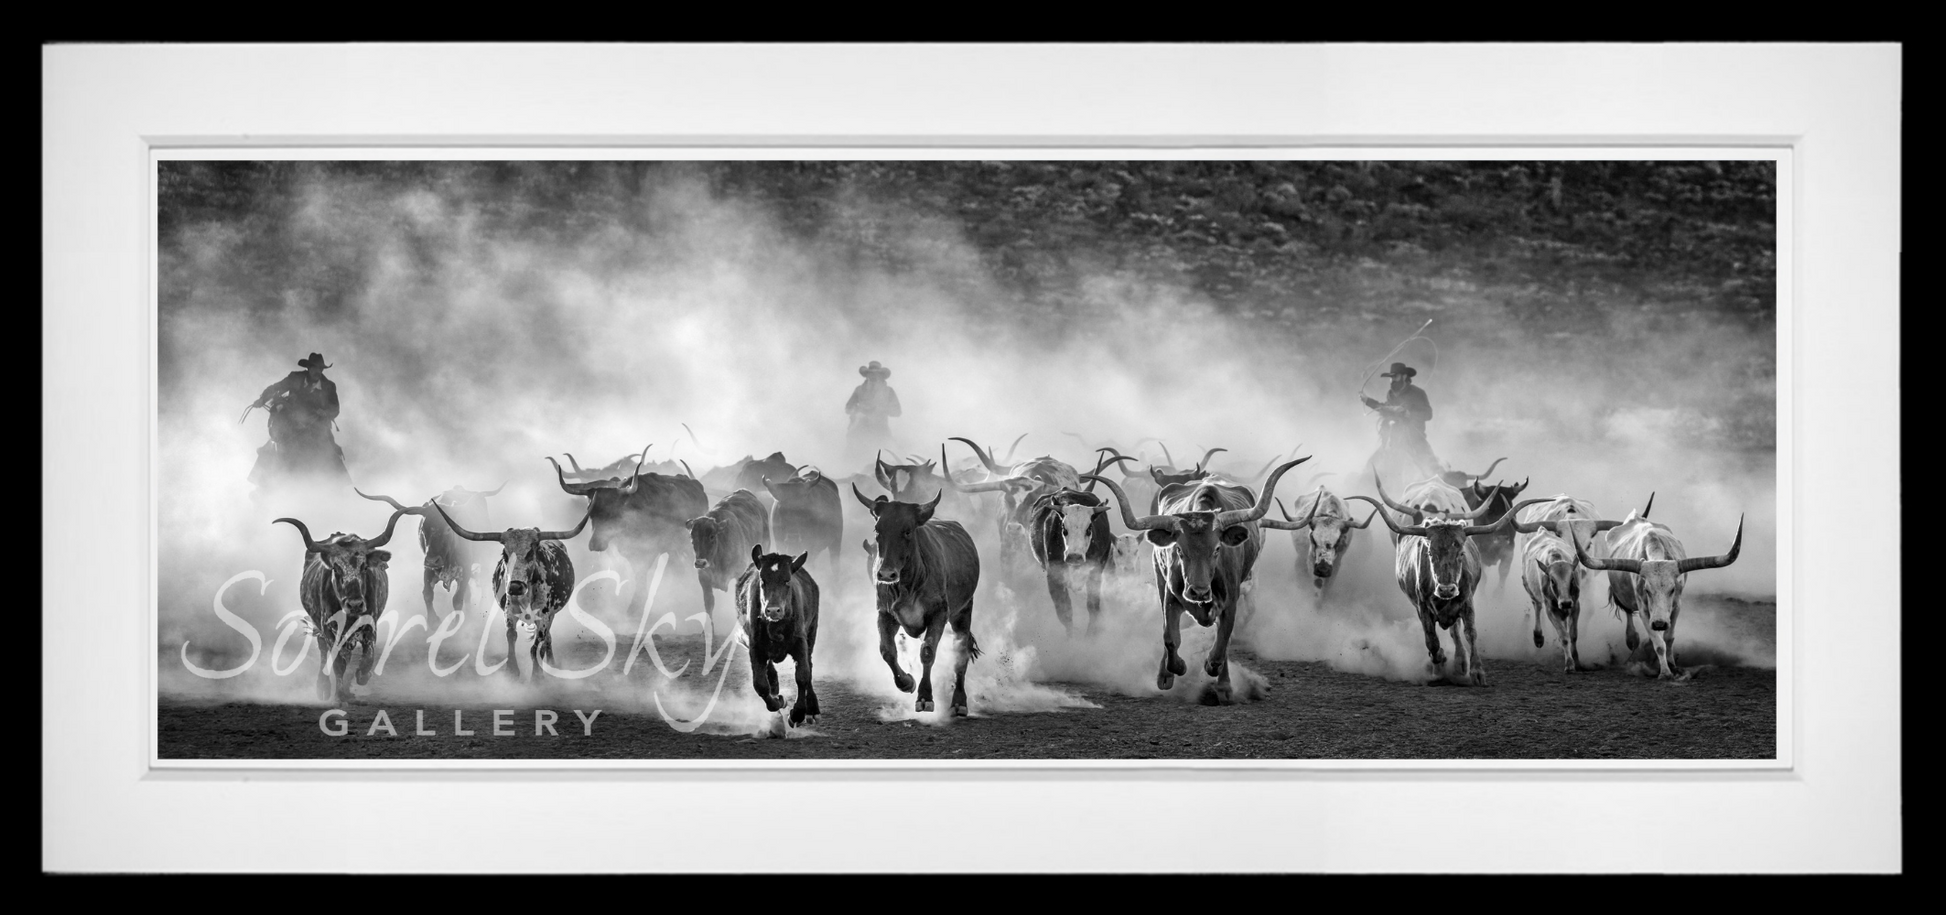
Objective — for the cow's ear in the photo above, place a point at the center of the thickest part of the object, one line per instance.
(381, 556)
(1542, 566)
(867, 544)
(690, 524)
(1161, 537)
(797, 565)
(1235, 535)
(757, 553)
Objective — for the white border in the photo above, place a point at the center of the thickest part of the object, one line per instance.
(1836, 105)
(169, 150)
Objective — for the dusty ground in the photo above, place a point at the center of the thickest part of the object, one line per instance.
(1529, 710)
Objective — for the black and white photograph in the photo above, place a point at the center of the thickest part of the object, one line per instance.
(967, 459)
(1208, 458)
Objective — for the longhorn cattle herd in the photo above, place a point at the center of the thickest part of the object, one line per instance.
(1203, 531)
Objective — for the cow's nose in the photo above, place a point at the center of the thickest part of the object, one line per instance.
(1075, 557)
(890, 578)
(1445, 591)
(516, 587)
(1659, 625)
(702, 563)
(1321, 570)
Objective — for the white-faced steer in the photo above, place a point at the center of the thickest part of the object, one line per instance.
(449, 559)
(1438, 568)
(1207, 543)
(1321, 537)
(343, 591)
(721, 538)
(926, 571)
(1548, 570)
(1646, 566)
(777, 604)
(532, 581)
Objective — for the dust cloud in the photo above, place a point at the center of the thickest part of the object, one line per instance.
(465, 352)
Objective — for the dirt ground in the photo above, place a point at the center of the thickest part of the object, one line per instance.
(1530, 709)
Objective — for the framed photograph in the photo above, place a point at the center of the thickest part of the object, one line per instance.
(597, 468)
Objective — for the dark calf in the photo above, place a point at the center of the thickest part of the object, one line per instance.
(777, 603)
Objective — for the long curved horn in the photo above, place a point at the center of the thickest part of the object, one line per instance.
(984, 458)
(1010, 449)
(1144, 523)
(869, 504)
(1417, 515)
(463, 532)
(570, 535)
(634, 477)
(1412, 531)
(573, 489)
(1367, 522)
(1477, 529)
(392, 502)
(389, 525)
(1104, 465)
(1697, 563)
(1206, 456)
(946, 472)
(310, 546)
(879, 472)
(1247, 515)
(1165, 454)
(692, 473)
(494, 492)
(1489, 469)
(1603, 565)
(1645, 508)
(1473, 515)
(770, 489)
(1287, 524)
(573, 463)
(1265, 468)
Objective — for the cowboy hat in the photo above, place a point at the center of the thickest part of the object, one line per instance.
(1400, 369)
(874, 369)
(316, 360)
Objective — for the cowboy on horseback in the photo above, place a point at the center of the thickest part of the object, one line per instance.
(1402, 418)
(302, 407)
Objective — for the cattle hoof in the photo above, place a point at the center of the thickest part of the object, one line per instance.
(1213, 667)
(1165, 681)
(773, 703)
(959, 711)
(1177, 667)
(923, 705)
(903, 681)
(1438, 658)
(1538, 641)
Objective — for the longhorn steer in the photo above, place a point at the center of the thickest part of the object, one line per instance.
(1207, 542)
(777, 604)
(641, 518)
(532, 581)
(807, 516)
(1548, 571)
(343, 591)
(720, 538)
(1321, 538)
(449, 559)
(1497, 548)
(1646, 569)
(925, 571)
(1438, 569)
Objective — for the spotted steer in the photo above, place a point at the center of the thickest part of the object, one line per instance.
(532, 581)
